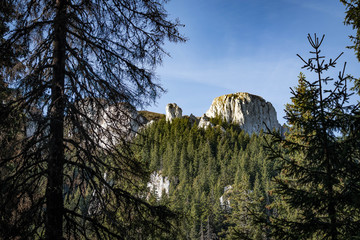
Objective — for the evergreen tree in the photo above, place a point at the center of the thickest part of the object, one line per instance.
(242, 199)
(319, 179)
(86, 62)
(353, 18)
(210, 162)
(210, 234)
(14, 203)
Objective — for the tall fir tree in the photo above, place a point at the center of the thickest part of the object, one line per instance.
(319, 179)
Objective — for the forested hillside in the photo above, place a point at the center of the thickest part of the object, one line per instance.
(204, 165)
(74, 163)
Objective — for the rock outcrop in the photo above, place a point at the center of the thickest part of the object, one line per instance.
(173, 111)
(193, 120)
(118, 122)
(205, 122)
(251, 112)
(225, 198)
(158, 184)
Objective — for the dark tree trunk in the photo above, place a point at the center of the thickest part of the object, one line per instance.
(54, 189)
(326, 149)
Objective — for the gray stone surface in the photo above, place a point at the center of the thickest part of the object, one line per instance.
(205, 122)
(251, 112)
(173, 111)
(158, 184)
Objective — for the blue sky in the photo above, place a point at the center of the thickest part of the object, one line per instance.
(247, 46)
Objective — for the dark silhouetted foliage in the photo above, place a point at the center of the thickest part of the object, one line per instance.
(82, 64)
(316, 191)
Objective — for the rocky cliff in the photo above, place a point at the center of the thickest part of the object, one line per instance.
(251, 112)
(173, 111)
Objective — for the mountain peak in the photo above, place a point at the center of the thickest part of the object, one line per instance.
(243, 96)
(249, 111)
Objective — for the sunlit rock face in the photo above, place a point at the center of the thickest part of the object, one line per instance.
(251, 112)
(158, 184)
(173, 111)
(205, 122)
(225, 198)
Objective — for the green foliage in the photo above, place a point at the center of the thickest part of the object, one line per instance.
(152, 115)
(319, 180)
(353, 18)
(200, 163)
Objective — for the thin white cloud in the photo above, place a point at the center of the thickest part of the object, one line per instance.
(320, 6)
(241, 73)
(268, 78)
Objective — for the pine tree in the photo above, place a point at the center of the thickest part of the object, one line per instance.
(14, 203)
(210, 234)
(242, 199)
(86, 63)
(320, 174)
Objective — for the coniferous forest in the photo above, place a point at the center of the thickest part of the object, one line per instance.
(77, 160)
(204, 165)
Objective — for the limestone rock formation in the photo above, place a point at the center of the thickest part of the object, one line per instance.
(251, 112)
(225, 198)
(173, 111)
(205, 122)
(158, 184)
(106, 124)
